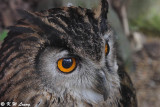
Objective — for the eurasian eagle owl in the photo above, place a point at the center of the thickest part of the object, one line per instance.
(63, 57)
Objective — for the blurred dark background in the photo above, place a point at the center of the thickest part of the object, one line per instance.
(137, 27)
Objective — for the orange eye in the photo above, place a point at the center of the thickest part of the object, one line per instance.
(66, 65)
(106, 48)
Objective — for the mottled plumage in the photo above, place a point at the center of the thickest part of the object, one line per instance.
(30, 54)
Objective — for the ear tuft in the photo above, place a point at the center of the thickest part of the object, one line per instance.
(101, 14)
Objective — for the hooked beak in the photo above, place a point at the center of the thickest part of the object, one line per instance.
(105, 94)
(103, 85)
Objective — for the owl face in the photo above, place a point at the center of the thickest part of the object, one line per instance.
(64, 71)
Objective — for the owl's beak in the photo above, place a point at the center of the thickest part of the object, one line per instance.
(103, 86)
(105, 95)
(105, 91)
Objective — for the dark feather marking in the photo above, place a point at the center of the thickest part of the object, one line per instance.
(34, 20)
(56, 21)
(68, 22)
(9, 62)
(127, 90)
(6, 89)
(76, 22)
(8, 54)
(15, 43)
(51, 34)
(15, 74)
(104, 11)
(10, 36)
(92, 20)
(64, 18)
(56, 10)
(49, 30)
(75, 27)
(22, 22)
(55, 40)
(20, 29)
(27, 78)
(24, 61)
(127, 95)
(74, 14)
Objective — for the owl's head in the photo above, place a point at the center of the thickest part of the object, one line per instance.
(75, 52)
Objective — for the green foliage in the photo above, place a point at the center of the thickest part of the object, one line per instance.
(3, 34)
(145, 17)
(150, 24)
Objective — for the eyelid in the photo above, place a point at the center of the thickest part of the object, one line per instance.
(78, 58)
(71, 55)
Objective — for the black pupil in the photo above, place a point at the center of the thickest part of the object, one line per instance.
(67, 62)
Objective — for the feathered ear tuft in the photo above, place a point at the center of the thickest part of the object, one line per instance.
(101, 14)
